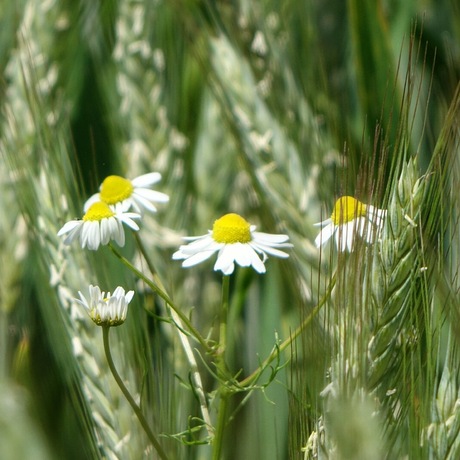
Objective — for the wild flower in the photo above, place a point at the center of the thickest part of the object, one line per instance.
(350, 218)
(106, 309)
(135, 193)
(100, 224)
(235, 240)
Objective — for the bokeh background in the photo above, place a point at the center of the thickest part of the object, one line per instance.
(271, 109)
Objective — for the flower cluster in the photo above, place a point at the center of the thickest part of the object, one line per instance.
(234, 240)
(108, 210)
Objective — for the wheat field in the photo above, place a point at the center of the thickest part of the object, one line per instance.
(274, 111)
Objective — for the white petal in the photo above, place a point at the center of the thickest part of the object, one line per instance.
(121, 207)
(129, 295)
(341, 238)
(105, 231)
(151, 195)
(256, 263)
(197, 258)
(225, 260)
(323, 222)
(369, 233)
(82, 300)
(96, 235)
(92, 235)
(267, 238)
(140, 204)
(227, 271)
(179, 255)
(325, 235)
(376, 216)
(126, 219)
(349, 233)
(269, 250)
(242, 254)
(119, 234)
(69, 226)
(74, 231)
(203, 244)
(146, 179)
(195, 238)
(95, 293)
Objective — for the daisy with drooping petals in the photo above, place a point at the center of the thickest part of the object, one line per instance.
(100, 224)
(136, 193)
(349, 218)
(234, 240)
(106, 309)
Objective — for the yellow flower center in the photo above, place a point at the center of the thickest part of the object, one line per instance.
(346, 209)
(98, 211)
(115, 189)
(230, 229)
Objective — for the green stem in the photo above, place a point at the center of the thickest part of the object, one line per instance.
(223, 319)
(276, 351)
(144, 253)
(155, 288)
(185, 343)
(222, 371)
(221, 422)
(127, 394)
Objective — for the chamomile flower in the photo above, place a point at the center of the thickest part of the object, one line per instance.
(349, 218)
(106, 309)
(100, 224)
(134, 193)
(234, 240)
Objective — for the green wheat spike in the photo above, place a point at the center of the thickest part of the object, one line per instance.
(34, 146)
(394, 274)
(443, 434)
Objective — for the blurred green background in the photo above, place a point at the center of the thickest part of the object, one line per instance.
(271, 109)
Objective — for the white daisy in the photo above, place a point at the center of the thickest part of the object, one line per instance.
(100, 224)
(106, 309)
(135, 193)
(235, 240)
(349, 218)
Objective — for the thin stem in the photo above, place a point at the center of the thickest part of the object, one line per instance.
(277, 350)
(221, 422)
(195, 375)
(224, 317)
(199, 389)
(155, 288)
(222, 368)
(127, 394)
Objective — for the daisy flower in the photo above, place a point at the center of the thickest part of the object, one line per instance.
(100, 224)
(349, 218)
(106, 309)
(234, 240)
(134, 193)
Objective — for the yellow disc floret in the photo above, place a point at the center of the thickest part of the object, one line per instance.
(98, 211)
(230, 229)
(115, 189)
(346, 209)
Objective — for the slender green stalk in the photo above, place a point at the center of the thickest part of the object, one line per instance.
(222, 368)
(223, 318)
(144, 253)
(221, 422)
(127, 394)
(188, 350)
(155, 288)
(279, 349)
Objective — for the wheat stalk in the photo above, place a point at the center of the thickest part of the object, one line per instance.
(34, 147)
